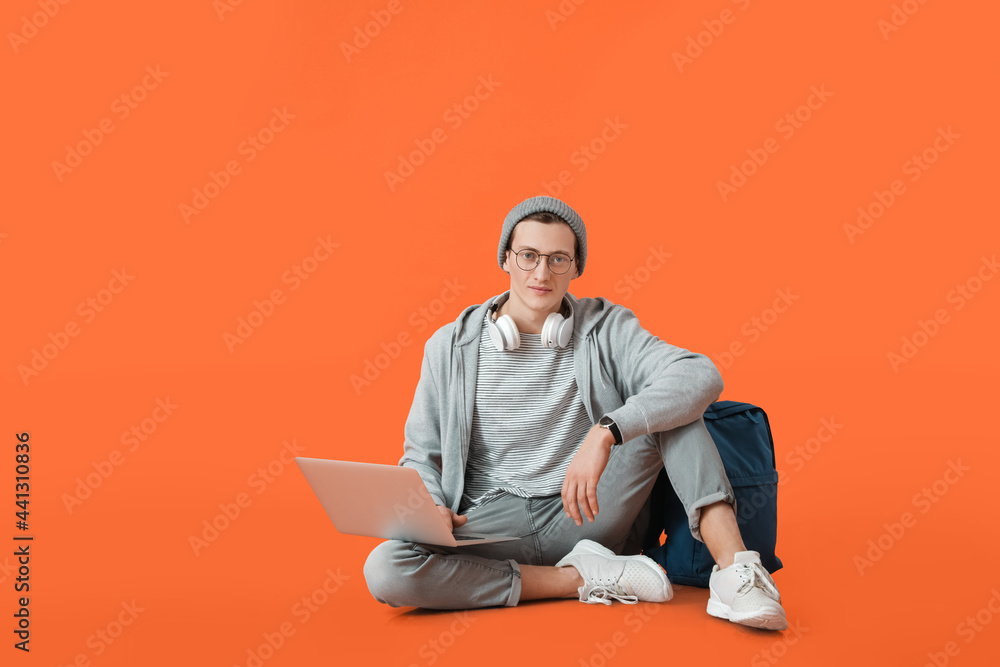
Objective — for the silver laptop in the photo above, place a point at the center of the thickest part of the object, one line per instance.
(384, 501)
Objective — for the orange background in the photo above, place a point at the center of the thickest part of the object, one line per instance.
(655, 185)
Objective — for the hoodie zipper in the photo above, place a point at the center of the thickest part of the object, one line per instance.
(587, 366)
(464, 398)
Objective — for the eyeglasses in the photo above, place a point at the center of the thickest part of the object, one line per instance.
(558, 262)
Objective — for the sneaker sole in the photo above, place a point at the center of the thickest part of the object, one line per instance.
(770, 619)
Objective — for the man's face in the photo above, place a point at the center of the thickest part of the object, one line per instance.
(540, 289)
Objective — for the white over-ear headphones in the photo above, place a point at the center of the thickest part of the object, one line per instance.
(556, 331)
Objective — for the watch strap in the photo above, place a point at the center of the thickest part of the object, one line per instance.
(609, 423)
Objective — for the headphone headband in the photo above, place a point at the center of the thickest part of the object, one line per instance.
(556, 331)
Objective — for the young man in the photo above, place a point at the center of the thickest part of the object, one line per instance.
(537, 410)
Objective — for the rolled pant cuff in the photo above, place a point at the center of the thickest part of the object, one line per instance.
(694, 511)
(515, 588)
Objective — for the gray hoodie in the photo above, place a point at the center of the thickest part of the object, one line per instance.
(645, 384)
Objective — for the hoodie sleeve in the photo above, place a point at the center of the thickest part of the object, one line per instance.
(422, 432)
(663, 386)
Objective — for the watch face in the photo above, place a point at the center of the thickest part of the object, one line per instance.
(606, 421)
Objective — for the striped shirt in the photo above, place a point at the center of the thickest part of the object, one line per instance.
(528, 421)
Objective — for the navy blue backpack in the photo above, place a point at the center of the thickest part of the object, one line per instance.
(743, 436)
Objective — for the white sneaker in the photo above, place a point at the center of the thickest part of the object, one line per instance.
(745, 593)
(609, 577)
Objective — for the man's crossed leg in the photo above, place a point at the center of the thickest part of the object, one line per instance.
(554, 557)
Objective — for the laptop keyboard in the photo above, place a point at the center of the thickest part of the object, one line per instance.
(467, 537)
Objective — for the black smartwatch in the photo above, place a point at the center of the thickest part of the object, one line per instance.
(609, 423)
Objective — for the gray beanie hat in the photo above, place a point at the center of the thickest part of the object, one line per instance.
(552, 205)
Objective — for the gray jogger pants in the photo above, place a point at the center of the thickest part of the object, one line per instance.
(402, 573)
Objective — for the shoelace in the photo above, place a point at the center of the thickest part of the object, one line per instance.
(752, 575)
(606, 592)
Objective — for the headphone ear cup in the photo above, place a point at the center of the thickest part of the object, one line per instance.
(556, 331)
(565, 332)
(503, 333)
(549, 329)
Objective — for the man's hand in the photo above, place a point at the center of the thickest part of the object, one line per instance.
(579, 490)
(450, 518)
